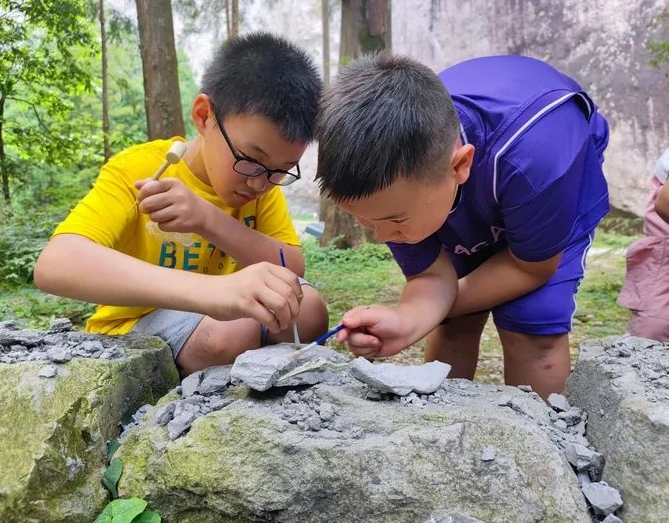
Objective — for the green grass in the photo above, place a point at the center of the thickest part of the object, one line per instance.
(37, 310)
(348, 278)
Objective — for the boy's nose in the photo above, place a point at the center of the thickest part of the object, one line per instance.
(258, 183)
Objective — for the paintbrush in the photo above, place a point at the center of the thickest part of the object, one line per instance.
(296, 337)
(324, 337)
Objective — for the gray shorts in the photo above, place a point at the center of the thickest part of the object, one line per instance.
(175, 327)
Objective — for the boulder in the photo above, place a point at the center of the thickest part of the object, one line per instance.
(623, 385)
(340, 451)
(55, 425)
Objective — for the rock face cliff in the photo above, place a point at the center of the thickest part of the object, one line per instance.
(603, 44)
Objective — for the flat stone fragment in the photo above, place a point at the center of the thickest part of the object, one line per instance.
(488, 454)
(604, 499)
(48, 371)
(558, 402)
(191, 383)
(260, 368)
(215, 380)
(284, 366)
(401, 379)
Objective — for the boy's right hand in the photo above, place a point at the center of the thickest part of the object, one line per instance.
(375, 331)
(172, 205)
(266, 292)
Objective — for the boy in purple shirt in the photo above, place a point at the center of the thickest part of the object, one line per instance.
(488, 198)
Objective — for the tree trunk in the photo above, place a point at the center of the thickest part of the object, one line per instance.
(4, 168)
(105, 83)
(325, 14)
(228, 21)
(234, 22)
(162, 97)
(365, 28)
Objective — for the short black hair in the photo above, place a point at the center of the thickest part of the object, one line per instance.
(384, 117)
(264, 74)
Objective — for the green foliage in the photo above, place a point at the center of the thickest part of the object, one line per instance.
(47, 49)
(37, 310)
(130, 510)
(368, 255)
(20, 244)
(351, 277)
(111, 476)
(659, 49)
(42, 202)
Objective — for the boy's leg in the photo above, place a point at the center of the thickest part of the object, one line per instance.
(456, 342)
(542, 362)
(534, 329)
(215, 342)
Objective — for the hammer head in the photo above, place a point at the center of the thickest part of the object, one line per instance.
(175, 152)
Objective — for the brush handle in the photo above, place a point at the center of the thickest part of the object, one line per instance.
(329, 333)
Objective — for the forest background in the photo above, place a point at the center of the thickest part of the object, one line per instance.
(83, 79)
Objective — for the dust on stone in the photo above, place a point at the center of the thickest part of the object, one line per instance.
(58, 345)
(648, 358)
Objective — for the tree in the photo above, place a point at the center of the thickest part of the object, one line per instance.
(46, 48)
(162, 98)
(365, 28)
(105, 80)
(220, 18)
(233, 18)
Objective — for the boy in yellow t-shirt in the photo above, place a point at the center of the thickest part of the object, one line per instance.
(218, 216)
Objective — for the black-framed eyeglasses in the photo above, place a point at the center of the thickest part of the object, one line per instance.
(249, 167)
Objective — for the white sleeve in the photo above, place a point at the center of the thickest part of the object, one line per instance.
(661, 168)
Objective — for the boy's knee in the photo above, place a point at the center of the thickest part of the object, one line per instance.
(539, 344)
(314, 317)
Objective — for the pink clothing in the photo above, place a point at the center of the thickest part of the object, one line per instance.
(646, 288)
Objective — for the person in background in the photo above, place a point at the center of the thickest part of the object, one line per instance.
(221, 291)
(486, 182)
(645, 291)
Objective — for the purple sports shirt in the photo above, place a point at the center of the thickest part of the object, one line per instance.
(536, 183)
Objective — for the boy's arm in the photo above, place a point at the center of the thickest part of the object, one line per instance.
(500, 279)
(427, 297)
(76, 267)
(662, 203)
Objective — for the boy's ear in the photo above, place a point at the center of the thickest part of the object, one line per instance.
(201, 111)
(461, 162)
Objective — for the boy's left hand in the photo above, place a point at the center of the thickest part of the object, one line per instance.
(171, 205)
(374, 332)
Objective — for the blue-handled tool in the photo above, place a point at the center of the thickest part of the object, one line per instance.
(329, 334)
(324, 337)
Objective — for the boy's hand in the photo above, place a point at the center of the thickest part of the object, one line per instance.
(374, 332)
(266, 292)
(171, 205)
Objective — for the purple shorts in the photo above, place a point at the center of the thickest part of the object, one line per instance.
(549, 309)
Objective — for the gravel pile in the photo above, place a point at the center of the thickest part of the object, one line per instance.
(59, 344)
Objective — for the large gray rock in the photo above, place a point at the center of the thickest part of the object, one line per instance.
(55, 425)
(340, 452)
(623, 385)
(604, 45)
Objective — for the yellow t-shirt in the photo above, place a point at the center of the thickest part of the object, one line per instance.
(108, 215)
